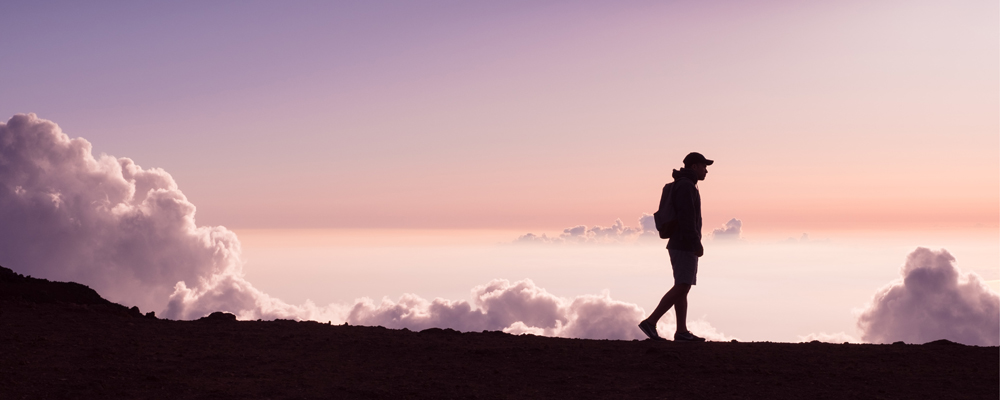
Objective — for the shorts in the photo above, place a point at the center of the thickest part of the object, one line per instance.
(685, 265)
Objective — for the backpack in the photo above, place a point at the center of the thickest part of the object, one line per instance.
(665, 216)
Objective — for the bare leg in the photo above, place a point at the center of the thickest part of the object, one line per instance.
(674, 296)
(681, 308)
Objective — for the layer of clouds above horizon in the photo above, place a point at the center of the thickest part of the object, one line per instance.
(619, 233)
(130, 233)
(581, 234)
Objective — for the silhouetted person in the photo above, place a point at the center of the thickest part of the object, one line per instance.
(684, 247)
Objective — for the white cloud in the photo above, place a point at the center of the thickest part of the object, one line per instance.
(519, 307)
(500, 305)
(730, 231)
(933, 300)
(519, 328)
(648, 225)
(126, 231)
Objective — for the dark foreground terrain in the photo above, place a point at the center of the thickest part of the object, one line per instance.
(63, 341)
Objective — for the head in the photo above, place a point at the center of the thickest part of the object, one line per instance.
(697, 163)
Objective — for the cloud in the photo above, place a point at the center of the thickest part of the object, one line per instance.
(933, 300)
(730, 231)
(648, 225)
(614, 234)
(126, 231)
(518, 307)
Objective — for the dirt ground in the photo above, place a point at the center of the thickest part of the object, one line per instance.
(61, 340)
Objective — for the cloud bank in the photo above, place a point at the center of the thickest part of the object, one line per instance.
(130, 233)
(621, 234)
(933, 300)
(614, 234)
(519, 307)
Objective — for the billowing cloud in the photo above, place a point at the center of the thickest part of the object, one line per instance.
(128, 232)
(581, 234)
(730, 231)
(933, 300)
(519, 307)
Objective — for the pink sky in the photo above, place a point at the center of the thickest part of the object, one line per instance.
(831, 115)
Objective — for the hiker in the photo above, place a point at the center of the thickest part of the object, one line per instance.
(684, 245)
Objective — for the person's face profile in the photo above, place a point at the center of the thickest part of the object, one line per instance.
(700, 170)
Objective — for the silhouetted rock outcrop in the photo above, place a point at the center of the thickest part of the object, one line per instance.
(218, 317)
(944, 342)
(14, 286)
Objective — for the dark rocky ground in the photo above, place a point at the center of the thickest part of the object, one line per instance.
(63, 341)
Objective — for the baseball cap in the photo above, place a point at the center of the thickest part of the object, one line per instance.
(697, 158)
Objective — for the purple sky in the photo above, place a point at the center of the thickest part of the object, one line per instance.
(551, 114)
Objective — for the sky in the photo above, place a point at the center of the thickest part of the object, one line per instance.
(541, 115)
(359, 138)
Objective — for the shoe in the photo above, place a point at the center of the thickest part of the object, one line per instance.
(650, 330)
(687, 337)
